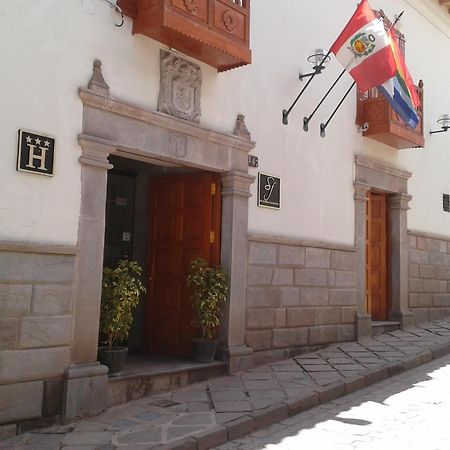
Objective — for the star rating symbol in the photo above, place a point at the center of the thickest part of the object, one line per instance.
(29, 140)
(38, 141)
(46, 144)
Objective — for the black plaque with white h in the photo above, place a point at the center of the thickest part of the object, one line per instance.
(268, 191)
(35, 153)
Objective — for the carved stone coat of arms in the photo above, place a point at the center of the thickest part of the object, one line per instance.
(180, 87)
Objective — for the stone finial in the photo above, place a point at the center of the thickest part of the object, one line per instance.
(240, 129)
(97, 82)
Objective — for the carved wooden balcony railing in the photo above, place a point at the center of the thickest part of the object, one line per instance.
(384, 124)
(216, 32)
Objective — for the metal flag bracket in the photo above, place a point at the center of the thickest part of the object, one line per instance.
(118, 9)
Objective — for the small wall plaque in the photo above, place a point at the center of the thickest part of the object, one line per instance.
(35, 153)
(268, 191)
(253, 161)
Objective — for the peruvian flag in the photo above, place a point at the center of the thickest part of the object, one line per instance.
(364, 49)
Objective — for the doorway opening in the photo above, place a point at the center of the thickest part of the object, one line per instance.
(162, 217)
(377, 256)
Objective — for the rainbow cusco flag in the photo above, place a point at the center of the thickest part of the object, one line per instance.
(399, 90)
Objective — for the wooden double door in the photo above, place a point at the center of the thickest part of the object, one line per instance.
(184, 224)
(377, 256)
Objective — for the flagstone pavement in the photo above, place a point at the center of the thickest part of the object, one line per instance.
(209, 414)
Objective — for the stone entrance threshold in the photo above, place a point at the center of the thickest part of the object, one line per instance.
(144, 375)
(208, 414)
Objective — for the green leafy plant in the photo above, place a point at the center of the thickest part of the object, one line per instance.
(210, 290)
(121, 288)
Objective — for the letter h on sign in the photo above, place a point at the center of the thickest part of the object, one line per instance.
(35, 153)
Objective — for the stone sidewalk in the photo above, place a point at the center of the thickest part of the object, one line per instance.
(209, 414)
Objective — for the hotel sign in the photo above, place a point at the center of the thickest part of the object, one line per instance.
(268, 191)
(35, 153)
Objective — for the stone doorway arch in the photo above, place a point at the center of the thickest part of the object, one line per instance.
(375, 175)
(112, 126)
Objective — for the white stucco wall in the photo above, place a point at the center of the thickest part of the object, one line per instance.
(47, 49)
(427, 30)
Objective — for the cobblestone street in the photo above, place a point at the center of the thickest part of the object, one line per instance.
(207, 415)
(408, 411)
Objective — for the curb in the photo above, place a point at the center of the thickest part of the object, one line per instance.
(277, 412)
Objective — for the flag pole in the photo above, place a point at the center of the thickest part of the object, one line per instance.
(287, 112)
(397, 19)
(323, 126)
(306, 120)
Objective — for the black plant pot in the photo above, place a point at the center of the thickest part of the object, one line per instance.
(114, 359)
(204, 350)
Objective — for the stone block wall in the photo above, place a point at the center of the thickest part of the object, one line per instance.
(36, 328)
(429, 276)
(300, 296)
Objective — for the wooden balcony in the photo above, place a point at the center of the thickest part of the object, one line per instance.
(384, 124)
(445, 3)
(216, 32)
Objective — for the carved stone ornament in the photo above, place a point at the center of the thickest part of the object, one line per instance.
(180, 87)
(177, 145)
(97, 82)
(241, 129)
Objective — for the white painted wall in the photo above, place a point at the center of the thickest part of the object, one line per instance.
(427, 29)
(47, 48)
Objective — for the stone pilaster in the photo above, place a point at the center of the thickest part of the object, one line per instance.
(235, 195)
(399, 246)
(91, 230)
(363, 320)
(86, 381)
(85, 390)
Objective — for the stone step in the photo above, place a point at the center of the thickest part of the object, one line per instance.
(141, 378)
(381, 327)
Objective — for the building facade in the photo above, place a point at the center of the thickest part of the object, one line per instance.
(146, 131)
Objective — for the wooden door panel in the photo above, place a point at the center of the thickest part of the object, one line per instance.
(166, 196)
(184, 210)
(376, 232)
(194, 227)
(166, 297)
(375, 281)
(376, 256)
(193, 198)
(166, 228)
(168, 261)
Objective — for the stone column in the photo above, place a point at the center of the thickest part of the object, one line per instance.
(235, 195)
(86, 380)
(399, 243)
(363, 320)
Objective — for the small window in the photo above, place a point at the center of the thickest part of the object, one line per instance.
(446, 202)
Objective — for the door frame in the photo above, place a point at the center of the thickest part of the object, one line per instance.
(112, 126)
(375, 175)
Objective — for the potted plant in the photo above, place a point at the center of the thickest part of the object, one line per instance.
(210, 290)
(121, 288)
